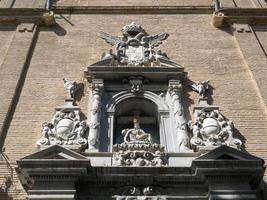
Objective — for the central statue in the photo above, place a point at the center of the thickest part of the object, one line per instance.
(136, 134)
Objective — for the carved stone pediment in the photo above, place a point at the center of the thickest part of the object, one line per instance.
(227, 153)
(55, 152)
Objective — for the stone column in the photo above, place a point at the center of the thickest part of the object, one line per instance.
(95, 111)
(175, 89)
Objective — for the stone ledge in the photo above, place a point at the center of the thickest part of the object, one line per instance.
(133, 9)
(26, 15)
(229, 16)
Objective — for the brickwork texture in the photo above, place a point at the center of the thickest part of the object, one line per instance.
(32, 65)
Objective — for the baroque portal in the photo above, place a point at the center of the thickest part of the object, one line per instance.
(136, 76)
(136, 108)
(137, 142)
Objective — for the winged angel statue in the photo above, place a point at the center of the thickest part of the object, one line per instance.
(135, 47)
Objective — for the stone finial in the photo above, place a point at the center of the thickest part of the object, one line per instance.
(201, 88)
(71, 87)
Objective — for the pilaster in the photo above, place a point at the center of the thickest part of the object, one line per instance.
(254, 57)
(13, 72)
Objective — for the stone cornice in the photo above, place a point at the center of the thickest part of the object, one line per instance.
(221, 17)
(133, 9)
(26, 15)
(239, 15)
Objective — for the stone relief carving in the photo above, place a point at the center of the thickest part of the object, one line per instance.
(133, 192)
(138, 149)
(211, 128)
(66, 128)
(135, 47)
(93, 139)
(175, 89)
(136, 83)
(140, 193)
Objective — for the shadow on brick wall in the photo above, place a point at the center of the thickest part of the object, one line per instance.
(262, 193)
(4, 188)
(56, 28)
(238, 135)
(8, 179)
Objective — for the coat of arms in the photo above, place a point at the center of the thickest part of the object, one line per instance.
(136, 47)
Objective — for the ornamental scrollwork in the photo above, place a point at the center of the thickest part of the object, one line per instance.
(65, 129)
(211, 128)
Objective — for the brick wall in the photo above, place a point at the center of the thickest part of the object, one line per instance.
(193, 3)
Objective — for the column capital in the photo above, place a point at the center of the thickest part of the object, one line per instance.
(175, 87)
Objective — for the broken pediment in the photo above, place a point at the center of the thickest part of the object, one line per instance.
(55, 152)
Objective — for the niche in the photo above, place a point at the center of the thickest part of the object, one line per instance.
(147, 112)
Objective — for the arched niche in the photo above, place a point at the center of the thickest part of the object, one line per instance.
(147, 112)
(118, 106)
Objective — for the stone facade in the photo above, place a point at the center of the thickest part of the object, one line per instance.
(38, 49)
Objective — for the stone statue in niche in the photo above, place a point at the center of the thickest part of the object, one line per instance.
(136, 134)
(138, 148)
(211, 128)
(65, 129)
(135, 47)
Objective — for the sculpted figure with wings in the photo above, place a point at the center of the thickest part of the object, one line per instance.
(135, 47)
(201, 87)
